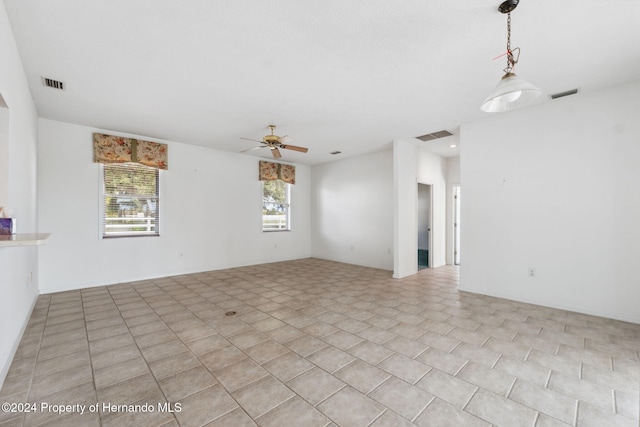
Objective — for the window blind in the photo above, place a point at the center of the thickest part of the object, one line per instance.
(131, 200)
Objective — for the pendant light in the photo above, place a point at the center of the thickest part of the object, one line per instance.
(512, 91)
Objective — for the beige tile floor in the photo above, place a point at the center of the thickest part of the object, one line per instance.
(318, 343)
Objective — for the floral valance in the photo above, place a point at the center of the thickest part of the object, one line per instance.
(270, 171)
(117, 149)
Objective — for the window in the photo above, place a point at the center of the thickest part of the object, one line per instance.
(130, 200)
(275, 205)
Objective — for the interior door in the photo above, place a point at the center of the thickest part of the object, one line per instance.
(425, 242)
(456, 225)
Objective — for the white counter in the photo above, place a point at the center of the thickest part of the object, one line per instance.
(24, 239)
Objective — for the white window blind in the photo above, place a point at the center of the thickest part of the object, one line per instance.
(131, 202)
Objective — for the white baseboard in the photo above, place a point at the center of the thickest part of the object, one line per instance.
(597, 313)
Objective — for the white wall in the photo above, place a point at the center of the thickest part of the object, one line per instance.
(352, 216)
(210, 213)
(405, 224)
(413, 164)
(17, 293)
(555, 187)
(453, 179)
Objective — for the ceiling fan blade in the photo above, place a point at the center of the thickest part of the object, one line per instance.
(254, 148)
(276, 153)
(285, 139)
(254, 140)
(295, 148)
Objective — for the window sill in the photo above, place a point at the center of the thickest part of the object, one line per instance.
(122, 236)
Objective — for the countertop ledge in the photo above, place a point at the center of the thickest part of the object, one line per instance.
(24, 239)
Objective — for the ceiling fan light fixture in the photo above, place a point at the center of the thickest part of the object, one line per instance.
(510, 93)
(270, 138)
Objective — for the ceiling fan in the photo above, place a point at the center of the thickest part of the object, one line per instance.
(274, 143)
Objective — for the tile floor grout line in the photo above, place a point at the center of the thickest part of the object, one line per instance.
(546, 383)
(611, 365)
(614, 401)
(513, 383)
(470, 397)
(526, 358)
(461, 368)
(497, 360)
(575, 413)
(378, 386)
(39, 347)
(423, 409)
(378, 417)
(581, 371)
(535, 420)
(272, 409)
(93, 377)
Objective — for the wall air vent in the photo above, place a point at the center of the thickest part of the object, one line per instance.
(435, 135)
(561, 94)
(55, 84)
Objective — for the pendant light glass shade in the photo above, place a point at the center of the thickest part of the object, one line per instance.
(511, 92)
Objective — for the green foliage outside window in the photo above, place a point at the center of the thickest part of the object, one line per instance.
(129, 190)
(274, 197)
(275, 205)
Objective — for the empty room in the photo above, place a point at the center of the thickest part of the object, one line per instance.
(304, 213)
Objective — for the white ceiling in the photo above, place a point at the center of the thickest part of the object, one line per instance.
(335, 75)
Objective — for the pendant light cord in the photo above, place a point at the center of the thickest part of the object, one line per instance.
(511, 60)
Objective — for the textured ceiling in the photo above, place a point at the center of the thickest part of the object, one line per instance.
(335, 75)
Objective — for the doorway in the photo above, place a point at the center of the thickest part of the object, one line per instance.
(425, 244)
(456, 225)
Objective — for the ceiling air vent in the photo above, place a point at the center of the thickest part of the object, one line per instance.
(435, 135)
(55, 84)
(561, 94)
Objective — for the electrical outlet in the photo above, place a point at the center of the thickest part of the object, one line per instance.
(531, 272)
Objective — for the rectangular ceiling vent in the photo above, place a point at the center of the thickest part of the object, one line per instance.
(561, 94)
(435, 135)
(55, 84)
